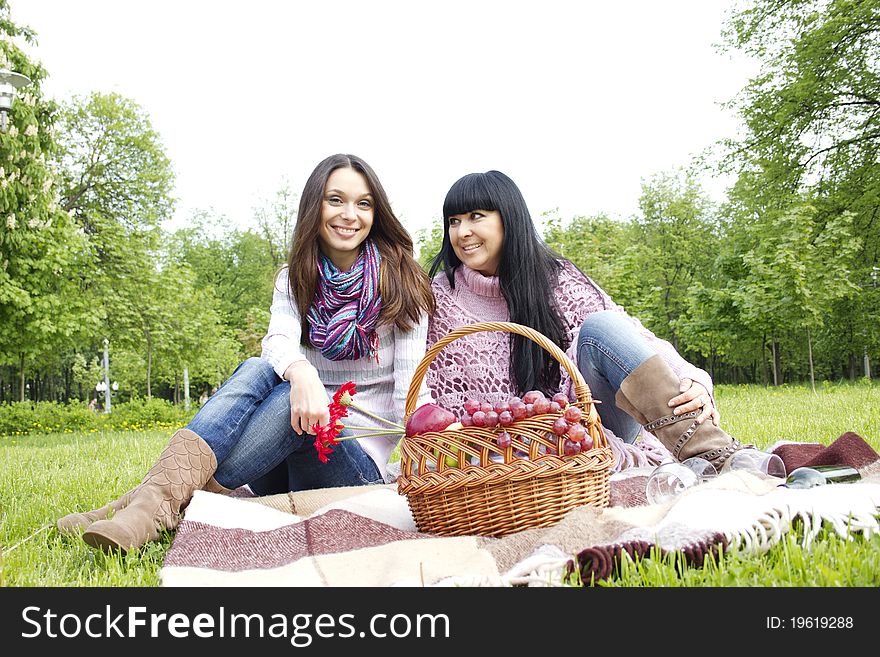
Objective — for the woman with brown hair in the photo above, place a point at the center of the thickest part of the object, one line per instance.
(351, 304)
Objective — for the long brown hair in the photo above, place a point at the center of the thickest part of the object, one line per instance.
(403, 284)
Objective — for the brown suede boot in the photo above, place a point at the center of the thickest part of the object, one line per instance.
(75, 523)
(185, 466)
(645, 394)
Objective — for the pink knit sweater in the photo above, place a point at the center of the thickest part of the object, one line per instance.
(478, 365)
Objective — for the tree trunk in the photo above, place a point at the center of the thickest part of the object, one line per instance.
(21, 377)
(186, 387)
(810, 352)
(149, 364)
(774, 362)
(764, 373)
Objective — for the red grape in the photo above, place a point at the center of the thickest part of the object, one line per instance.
(471, 406)
(531, 396)
(505, 419)
(479, 419)
(530, 410)
(587, 443)
(501, 406)
(491, 419)
(573, 414)
(466, 420)
(576, 432)
(486, 407)
(518, 410)
(570, 447)
(554, 407)
(541, 406)
(503, 440)
(560, 427)
(560, 398)
(514, 400)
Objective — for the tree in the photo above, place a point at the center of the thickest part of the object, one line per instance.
(812, 124)
(427, 244)
(675, 237)
(113, 164)
(276, 223)
(238, 266)
(598, 246)
(39, 246)
(189, 334)
(789, 285)
(117, 184)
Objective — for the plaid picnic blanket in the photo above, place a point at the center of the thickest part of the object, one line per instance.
(366, 536)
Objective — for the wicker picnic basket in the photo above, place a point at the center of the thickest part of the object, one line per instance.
(512, 492)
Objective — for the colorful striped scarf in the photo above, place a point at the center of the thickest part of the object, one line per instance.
(345, 311)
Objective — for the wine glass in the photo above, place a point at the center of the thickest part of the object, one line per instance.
(754, 460)
(669, 480)
(702, 467)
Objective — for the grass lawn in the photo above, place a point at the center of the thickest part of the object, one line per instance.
(43, 477)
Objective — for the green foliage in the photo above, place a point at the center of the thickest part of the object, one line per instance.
(673, 242)
(812, 137)
(600, 247)
(238, 267)
(39, 246)
(276, 221)
(25, 419)
(428, 243)
(146, 414)
(115, 170)
(117, 184)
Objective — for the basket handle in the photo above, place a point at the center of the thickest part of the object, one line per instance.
(581, 388)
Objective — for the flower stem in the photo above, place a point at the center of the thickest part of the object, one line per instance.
(366, 435)
(376, 417)
(352, 426)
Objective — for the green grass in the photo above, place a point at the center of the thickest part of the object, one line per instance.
(45, 476)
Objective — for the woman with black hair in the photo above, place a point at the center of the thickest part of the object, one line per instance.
(495, 267)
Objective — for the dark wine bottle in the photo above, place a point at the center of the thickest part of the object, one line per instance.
(819, 475)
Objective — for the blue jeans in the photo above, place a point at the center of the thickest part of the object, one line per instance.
(608, 349)
(247, 425)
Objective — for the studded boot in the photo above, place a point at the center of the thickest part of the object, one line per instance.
(645, 394)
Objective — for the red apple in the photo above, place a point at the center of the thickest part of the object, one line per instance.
(429, 417)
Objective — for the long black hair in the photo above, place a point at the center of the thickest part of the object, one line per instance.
(528, 273)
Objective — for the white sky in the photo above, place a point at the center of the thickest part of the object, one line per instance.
(577, 101)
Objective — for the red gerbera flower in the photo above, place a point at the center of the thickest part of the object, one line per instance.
(345, 393)
(328, 435)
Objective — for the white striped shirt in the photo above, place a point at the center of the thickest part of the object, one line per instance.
(382, 386)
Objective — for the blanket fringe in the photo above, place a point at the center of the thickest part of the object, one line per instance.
(847, 509)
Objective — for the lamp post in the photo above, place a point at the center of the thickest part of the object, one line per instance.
(10, 82)
(106, 381)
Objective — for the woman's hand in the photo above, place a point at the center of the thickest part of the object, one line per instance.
(694, 396)
(308, 398)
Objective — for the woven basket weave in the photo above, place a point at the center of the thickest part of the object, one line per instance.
(492, 497)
